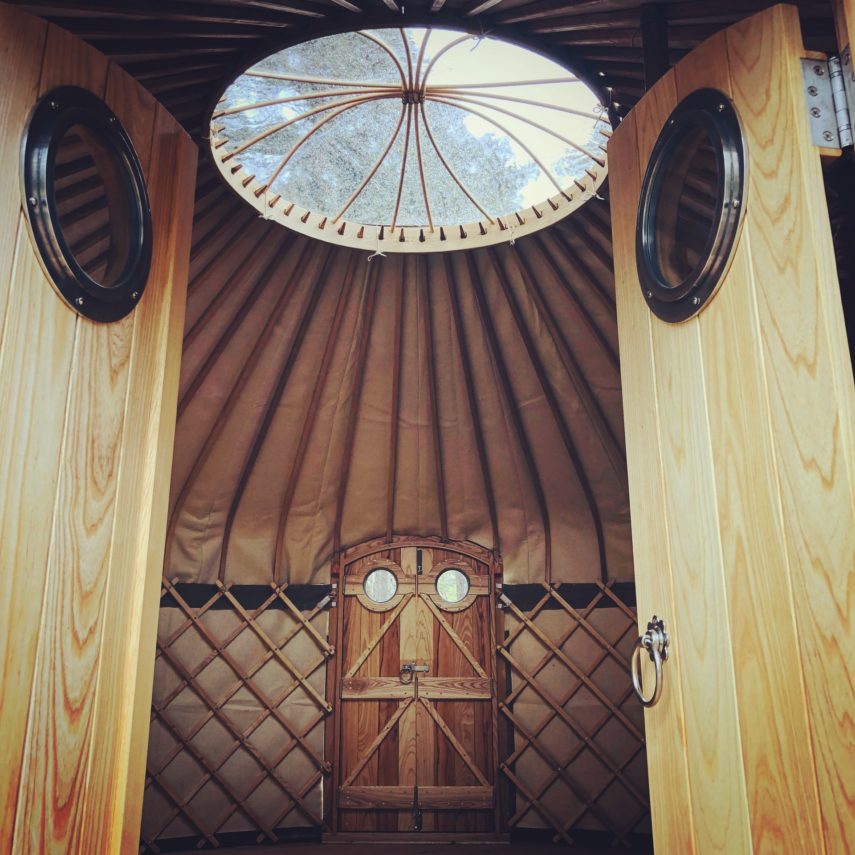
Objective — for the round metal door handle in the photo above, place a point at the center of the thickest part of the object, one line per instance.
(655, 641)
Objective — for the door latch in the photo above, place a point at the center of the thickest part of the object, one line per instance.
(829, 87)
(410, 668)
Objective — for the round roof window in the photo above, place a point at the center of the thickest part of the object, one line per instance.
(411, 139)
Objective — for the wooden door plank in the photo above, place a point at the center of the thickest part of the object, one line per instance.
(384, 732)
(59, 729)
(456, 688)
(377, 798)
(37, 336)
(34, 383)
(407, 727)
(773, 722)
(21, 63)
(459, 643)
(456, 798)
(810, 395)
(375, 639)
(720, 808)
(425, 654)
(455, 744)
(661, 365)
(170, 184)
(360, 723)
(376, 689)
(844, 23)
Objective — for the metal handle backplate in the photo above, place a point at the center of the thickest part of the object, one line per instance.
(655, 641)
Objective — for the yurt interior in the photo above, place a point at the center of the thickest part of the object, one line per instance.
(477, 478)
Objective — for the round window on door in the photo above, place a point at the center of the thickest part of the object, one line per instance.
(380, 585)
(87, 203)
(691, 206)
(452, 585)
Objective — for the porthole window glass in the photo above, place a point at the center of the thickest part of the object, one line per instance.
(687, 212)
(380, 585)
(87, 202)
(421, 138)
(452, 585)
(92, 205)
(691, 205)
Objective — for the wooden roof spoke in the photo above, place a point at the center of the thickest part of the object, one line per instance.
(306, 137)
(385, 48)
(409, 108)
(477, 95)
(462, 100)
(448, 168)
(323, 81)
(527, 149)
(288, 122)
(373, 171)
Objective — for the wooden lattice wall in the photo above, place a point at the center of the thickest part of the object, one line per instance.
(574, 750)
(237, 717)
(239, 714)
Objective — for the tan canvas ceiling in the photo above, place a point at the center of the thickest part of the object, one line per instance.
(319, 407)
(327, 399)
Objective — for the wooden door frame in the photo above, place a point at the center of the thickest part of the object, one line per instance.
(332, 745)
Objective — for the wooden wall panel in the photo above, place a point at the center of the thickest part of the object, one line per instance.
(82, 446)
(754, 400)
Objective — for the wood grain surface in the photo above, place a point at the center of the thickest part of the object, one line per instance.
(421, 739)
(87, 437)
(749, 409)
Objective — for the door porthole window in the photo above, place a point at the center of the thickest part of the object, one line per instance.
(380, 585)
(87, 202)
(691, 206)
(452, 585)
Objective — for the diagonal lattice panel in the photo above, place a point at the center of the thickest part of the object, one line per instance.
(576, 756)
(237, 717)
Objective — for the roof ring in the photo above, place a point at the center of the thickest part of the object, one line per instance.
(396, 139)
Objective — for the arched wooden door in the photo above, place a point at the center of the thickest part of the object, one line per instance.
(415, 702)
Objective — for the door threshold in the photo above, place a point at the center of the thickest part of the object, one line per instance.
(398, 838)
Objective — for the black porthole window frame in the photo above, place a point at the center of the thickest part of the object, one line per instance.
(59, 110)
(711, 111)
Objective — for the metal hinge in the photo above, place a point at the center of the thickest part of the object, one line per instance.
(829, 87)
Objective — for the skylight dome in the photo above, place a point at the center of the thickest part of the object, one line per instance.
(411, 139)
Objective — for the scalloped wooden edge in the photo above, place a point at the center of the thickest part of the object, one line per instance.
(381, 239)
